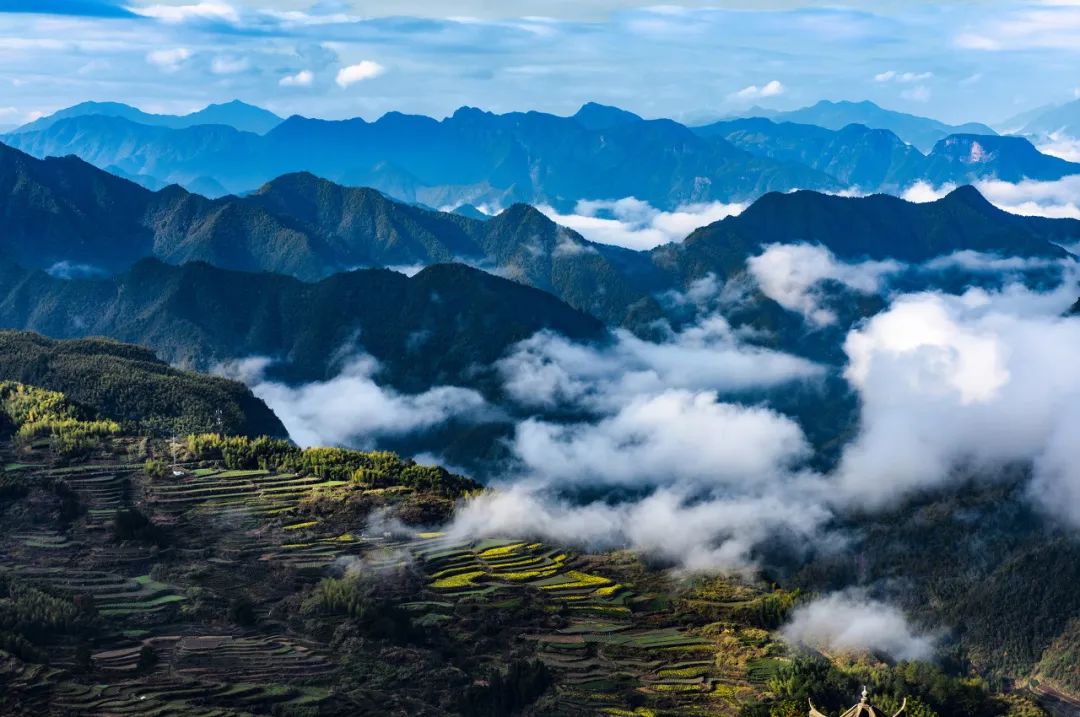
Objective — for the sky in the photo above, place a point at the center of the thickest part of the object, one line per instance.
(957, 61)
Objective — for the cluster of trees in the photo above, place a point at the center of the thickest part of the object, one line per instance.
(1061, 661)
(375, 469)
(36, 412)
(507, 693)
(377, 616)
(132, 524)
(1015, 595)
(30, 615)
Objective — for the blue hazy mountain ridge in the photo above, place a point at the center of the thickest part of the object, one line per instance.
(922, 132)
(1063, 119)
(878, 160)
(601, 152)
(236, 114)
(471, 157)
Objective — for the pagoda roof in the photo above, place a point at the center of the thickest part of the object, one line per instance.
(862, 709)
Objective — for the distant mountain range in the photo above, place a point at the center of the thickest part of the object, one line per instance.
(236, 114)
(879, 160)
(921, 132)
(1054, 120)
(875, 227)
(471, 157)
(477, 158)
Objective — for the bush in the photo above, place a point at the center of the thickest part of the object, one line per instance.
(131, 524)
(155, 468)
(375, 469)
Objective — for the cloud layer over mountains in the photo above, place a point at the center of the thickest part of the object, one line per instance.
(948, 387)
(635, 224)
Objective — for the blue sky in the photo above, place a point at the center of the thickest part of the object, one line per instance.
(975, 60)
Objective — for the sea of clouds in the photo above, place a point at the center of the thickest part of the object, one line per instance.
(948, 385)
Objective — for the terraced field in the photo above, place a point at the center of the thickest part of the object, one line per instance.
(209, 619)
(114, 595)
(239, 497)
(606, 648)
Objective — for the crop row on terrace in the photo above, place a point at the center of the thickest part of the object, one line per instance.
(114, 595)
(603, 651)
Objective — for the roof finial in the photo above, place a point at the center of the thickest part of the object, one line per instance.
(865, 694)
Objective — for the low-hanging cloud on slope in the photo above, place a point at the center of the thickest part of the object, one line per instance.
(791, 275)
(852, 622)
(965, 384)
(949, 387)
(352, 408)
(549, 370)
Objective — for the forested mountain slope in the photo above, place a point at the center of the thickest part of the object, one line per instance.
(131, 385)
(439, 326)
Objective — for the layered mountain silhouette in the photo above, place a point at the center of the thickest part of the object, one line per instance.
(471, 157)
(875, 227)
(70, 218)
(1058, 119)
(479, 158)
(921, 132)
(65, 213)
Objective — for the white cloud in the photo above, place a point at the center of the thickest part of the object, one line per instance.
(175, 14)
(984, 263)
(1039, 26)
(359, 72)
(1058, 199)
(549, 371)
(696, 534)
(303, 78)
(902, 77)
(1060, 145)
(74, 270)
(965, 384)
(921, 93)
(949, 387)
(791, 275)
(851, 622)
(229, 65)
(753, 92)
(169, 60)
(676, 437)
(352, 409)
(635, 224)
(719, 478)
(921, 192)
